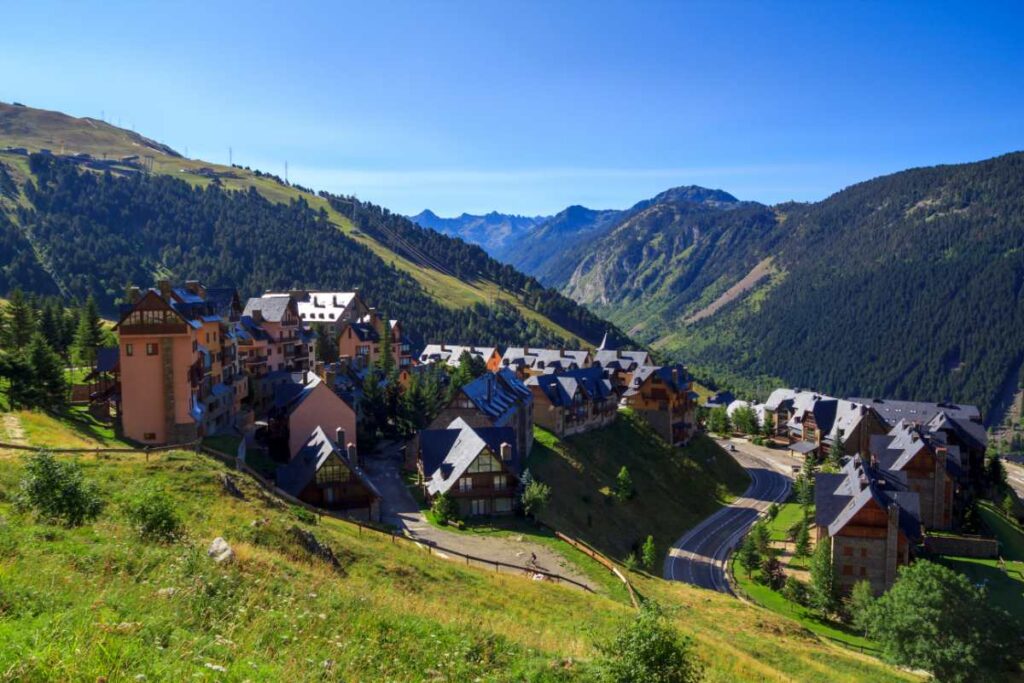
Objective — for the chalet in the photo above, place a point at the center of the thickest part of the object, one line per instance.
(495, 399)
(526, 362)
(619, 365)
(362, 341)
(931, 469)
(720, 399)
(574, 401)
(479, 467)
(329, 308)
(957, 426)
(810, 422)
(663, 397)
(451, 354)
(290, 343)
(327, 474)
(300, 406)
(871, 520)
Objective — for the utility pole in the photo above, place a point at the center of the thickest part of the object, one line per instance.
(286, 173)
(231, 158)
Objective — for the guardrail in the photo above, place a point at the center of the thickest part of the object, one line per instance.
(603, 561)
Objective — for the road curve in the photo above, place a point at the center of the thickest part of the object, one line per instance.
(699, 557)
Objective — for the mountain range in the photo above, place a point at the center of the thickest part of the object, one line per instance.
(905, 286)
(491, 231)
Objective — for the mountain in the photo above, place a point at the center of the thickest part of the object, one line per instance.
(88, 208)
(905, 286)
(552, 250)
(492, 231)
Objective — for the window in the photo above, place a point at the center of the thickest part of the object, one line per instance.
(863, 552)
(151, 349)
(332, 471)
(847, 570)
(848, 551)
(149, 436)
(500, 481)
(329, 495)
(465, 484)
(863, 571)
(479, 507)
(129, 350)
(503, 505)
(485, 462)
(207, 337)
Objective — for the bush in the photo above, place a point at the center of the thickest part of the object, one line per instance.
(623, 485)
(649, 553)
(794, 590)
(535, 497)
(153, 514)
(650, 650)
(57, 491)
(444, 509)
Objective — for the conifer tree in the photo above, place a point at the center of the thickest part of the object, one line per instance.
(88, 334)
(823, 593)
(18, 322)
(48, 385)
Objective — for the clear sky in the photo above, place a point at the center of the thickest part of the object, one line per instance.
(527, 107)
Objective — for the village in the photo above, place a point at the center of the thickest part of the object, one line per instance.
(304, 385)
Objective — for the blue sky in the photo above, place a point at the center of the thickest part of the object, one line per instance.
(529, 107)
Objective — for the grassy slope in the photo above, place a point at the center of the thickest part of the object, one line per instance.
(84, 603)
(675, 488)
(53, 130)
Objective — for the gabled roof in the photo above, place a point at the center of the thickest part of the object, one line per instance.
(288, 396)
(450, 354)
(562, 388)
(831, 415)
(447, 453)
(496, 394)
(622, 360)
(897, 449)
(542, 359)
(326, 306)
(300, 470)
(675, 377)
(919, 411)
(271, 306)
(839, 497)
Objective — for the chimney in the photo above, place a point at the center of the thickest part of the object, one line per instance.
(675, 376)
(257, 315)
(339, 436)
(444, 347)
(506, 452)
(353, 455)
(133, 294)
(165, 289)
(194, 287)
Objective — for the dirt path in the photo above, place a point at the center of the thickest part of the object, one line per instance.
(400, 509)
(14, 433)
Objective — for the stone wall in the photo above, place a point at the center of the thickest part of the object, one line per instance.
(962, 546)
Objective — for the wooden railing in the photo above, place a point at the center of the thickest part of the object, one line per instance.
(603, 561)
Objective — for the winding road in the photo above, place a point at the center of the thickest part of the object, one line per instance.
(699, 557)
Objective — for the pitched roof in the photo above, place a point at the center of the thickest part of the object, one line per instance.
(327, 306)
(300, 470)
(271, 306)
(288, 396)
(624, 360)
(450, 354)
(675, 377)
(545, 359)
(919, 411)
(562, 388)
(447, 453)
(839, 497)
(496, 394)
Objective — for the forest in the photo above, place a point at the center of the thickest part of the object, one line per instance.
(96, 234)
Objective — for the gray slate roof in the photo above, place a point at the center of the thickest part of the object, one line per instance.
(447, 453)
(301, 469)
(271, 306)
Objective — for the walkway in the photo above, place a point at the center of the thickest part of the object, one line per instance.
(699, 557)
(400, 509)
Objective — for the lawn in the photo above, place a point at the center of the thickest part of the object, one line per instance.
(75, 427)
(788, 517)
(675, 488)
(98, 602)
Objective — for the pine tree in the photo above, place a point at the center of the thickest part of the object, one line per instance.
(803, 539)
(16, 371)
(823, 594)
(623, 485)
(838, 450)
(649, 553)
(50, 326)
(48, 385)
(18, 322)
(88, 334)
(386, 360)
(748, 555)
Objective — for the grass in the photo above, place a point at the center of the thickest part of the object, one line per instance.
(225, 443)
(674, 488)
(789, 516)
(98, 602)
(75, 427)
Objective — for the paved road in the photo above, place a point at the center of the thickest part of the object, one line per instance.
(400, 509)
(1015, 473)
(699, 556)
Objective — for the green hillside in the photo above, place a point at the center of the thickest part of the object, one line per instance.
(906, 286)
(98, 601)
(289, 237)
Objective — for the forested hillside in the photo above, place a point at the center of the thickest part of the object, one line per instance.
(906, 286)
(98, 232)
(105, 207)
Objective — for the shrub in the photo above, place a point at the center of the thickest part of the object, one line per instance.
(650, 650)
(57, 491)
(153, 514)
(858, 605)
(631, 563)
(649, 553)
(444, 509)
(794, 590)
(535, 497)
(623, 485)
(303, 515)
